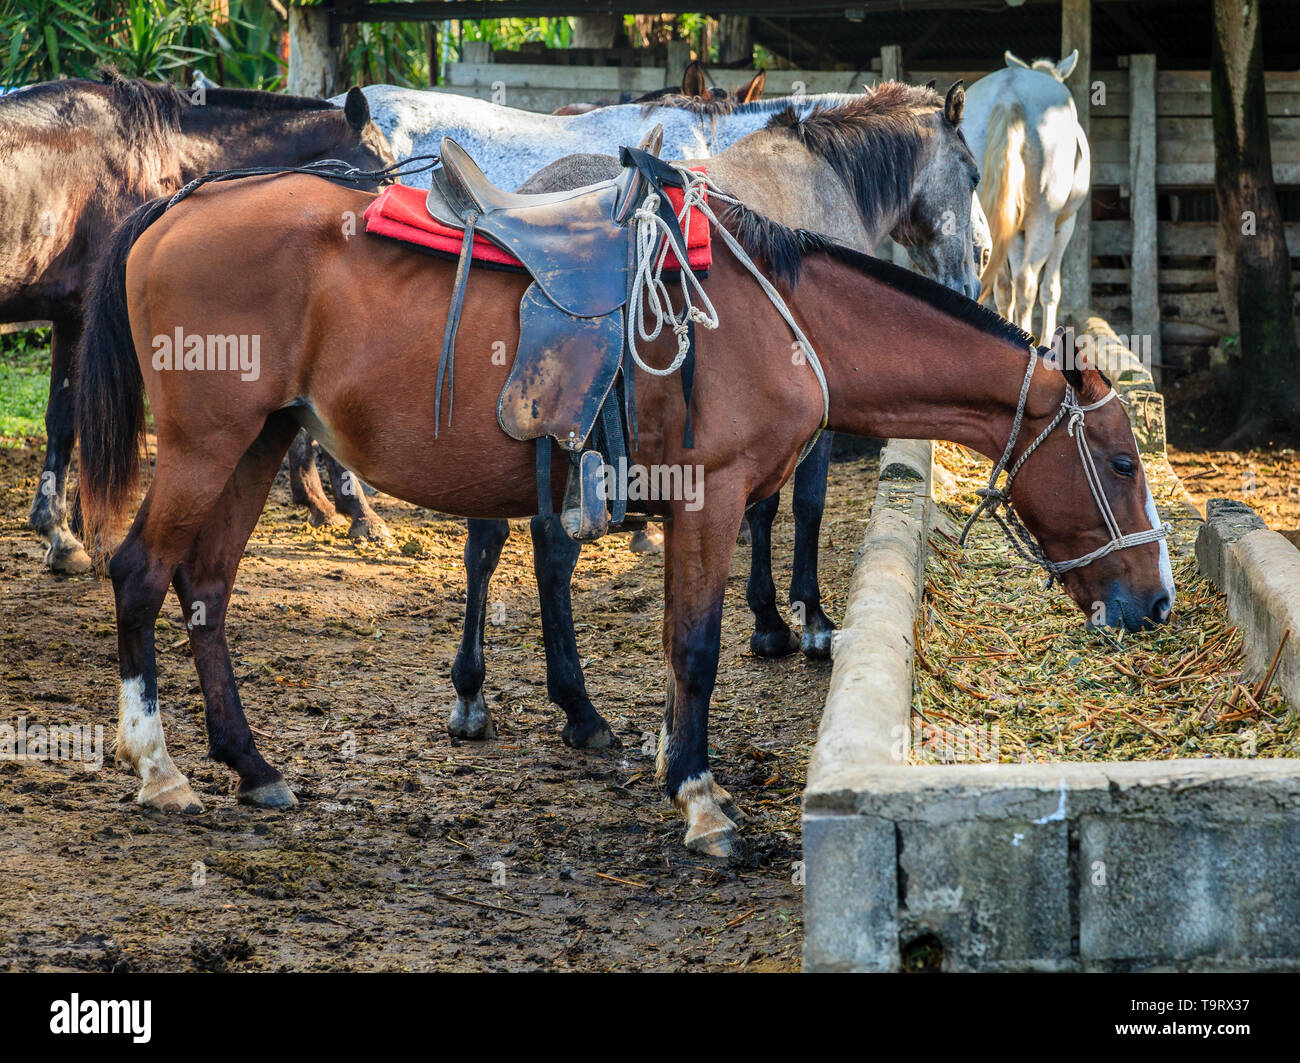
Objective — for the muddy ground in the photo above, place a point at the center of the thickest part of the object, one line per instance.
(411, 850)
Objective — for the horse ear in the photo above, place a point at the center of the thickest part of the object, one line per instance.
(693, 82)
(356, 109)
(1013, 60)
(1066, 66)
(931, 84)
(754, 90)
(955, 103)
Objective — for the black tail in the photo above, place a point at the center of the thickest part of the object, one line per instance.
(110, 389)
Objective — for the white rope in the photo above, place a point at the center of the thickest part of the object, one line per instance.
(994, 498)
(648, 282)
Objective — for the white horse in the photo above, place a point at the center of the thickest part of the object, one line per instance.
(511, 144)
(1036, 169)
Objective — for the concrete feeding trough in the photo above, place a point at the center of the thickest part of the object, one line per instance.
(1069, 866)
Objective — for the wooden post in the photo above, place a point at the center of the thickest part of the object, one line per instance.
(477, 52)
(1145, 257)
(679, 55)
(735, 40)
(891, 62)
(891, 69)
(313, 61)
(1076, 269)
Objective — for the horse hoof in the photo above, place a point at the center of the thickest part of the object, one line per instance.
(171, 796)
(817, 643)
(593, 735)
(647, 541)
(320, 518)
(727, 802)
(717, 841)
(371, 529)
(273, 794)
(471, 719)
(67, 557)
(779, 643)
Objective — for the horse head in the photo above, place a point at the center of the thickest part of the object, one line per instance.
(946, 232)
(1060, 70)
(1083, 493)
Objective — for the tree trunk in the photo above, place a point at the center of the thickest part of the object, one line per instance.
(735, 40)
(1253, 258)
(315, 68)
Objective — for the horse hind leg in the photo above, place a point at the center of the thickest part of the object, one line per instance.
(204, 582)
(772, 636)
(141, 570)
(350, 498)
(305, 488)
(1050, 291)
(805, 590)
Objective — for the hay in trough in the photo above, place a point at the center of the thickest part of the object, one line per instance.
(1005, 670)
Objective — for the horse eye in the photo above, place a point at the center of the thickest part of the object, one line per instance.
(1123, 465)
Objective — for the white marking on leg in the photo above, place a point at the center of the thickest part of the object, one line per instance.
(142, 747)
(661, 753)
(707, 828)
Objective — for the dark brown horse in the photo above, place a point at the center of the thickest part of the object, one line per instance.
(347, 331)
(77, 156)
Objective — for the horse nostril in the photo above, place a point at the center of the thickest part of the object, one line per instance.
(1159, 611)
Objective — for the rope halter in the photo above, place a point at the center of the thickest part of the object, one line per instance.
(993, 498)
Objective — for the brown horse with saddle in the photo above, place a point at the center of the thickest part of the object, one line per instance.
(787, 334)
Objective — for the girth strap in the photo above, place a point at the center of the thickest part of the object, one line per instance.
(612, 448)
(447, 363)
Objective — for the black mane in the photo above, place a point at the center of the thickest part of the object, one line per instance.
(783, 251)
(873, 143)
(154, 107)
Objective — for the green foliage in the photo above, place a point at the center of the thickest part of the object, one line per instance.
(48, 39)
(24, 385)
(392, 53)
(507, 34)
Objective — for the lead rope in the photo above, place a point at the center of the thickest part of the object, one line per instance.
(648, 282)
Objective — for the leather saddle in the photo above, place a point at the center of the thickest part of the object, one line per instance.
(579, 248)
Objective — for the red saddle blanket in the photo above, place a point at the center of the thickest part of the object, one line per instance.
(398, 212)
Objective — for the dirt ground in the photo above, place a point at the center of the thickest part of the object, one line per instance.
(410, 850)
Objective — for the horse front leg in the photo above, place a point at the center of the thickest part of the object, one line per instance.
(470, 717)
(49, 516)
(772, 636)
(809, 505)
(697, 560)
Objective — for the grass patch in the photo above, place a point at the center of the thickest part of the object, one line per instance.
(24, 386)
